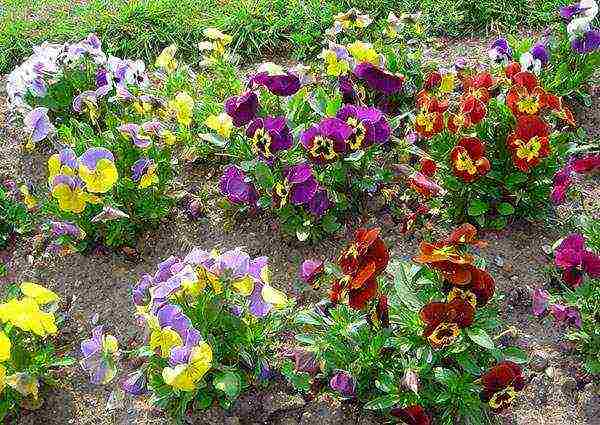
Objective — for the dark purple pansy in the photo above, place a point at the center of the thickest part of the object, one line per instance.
(300, 185)
(569, 12)
(575, 260)
(564, 314)
(237, 187)
(588, 42)
(369, 124)
(349, 95)
(500, 51)
(541, 53)
(320, 203)
(378, 79)
(310, 270)
(325, 141)
(242, 109)
(269, 136)
(280, 83)
(135, 383)
(562, 183)
(343, 383)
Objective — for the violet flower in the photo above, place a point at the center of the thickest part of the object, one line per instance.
(135, 383)
(369, 124)
(587, 164)
(378, 79)
(561, 183)
(299, 186)
(349, 95)
(500, 51)
(269, 136)
(237, 187)
(575, 260)
(343, 383)
(311, 270)
(587, 42)
(540, 299)
(569, 315)
(276, 80)
(100, 356)
(242, 109)
(320, 203)
(38, 125)
(325, 141)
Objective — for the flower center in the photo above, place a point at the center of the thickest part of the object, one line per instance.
(444, 334)
(261, 142)
(529, 105)
(323, 147)
(503, 398)
(464, 163)
(359, 133)
(282, 191)
(426, 120)
(462, 294)
(530, 149)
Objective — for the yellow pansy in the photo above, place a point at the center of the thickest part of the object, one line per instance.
(165, 339)
(25, 314)
(110, 344)
(24, 383)
(220, 39)
(183, 106)
(37, 292)
(222, 124)
(166, 59)
(102, 178)
(447, 84)
(70, 195)
(28, 199)
(274, 296)
(244, 286)
(5, 346)
(335, 66)
(364, 52)
(168, 137)
(186, 376)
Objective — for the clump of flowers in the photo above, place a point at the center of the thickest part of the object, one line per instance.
(210, 321)
(28, 357)
(396, 336)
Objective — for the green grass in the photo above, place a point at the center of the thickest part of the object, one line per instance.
(262, 28)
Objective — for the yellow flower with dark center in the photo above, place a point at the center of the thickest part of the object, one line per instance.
(323, 147)
(463, 294)
(70, 199)
(464, 163)
(530, 149)
(444, 334)
(166, 59)
(261, 143)
(503, 398)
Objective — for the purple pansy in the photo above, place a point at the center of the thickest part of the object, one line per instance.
(276, 80)
(310, 270)
(569, 315)
(100, 354)
(242, 109)
(540, 299)
(136, 133)
(325, 141)
(500, 51)
(66, 228)
(237, 187)
(349, 95)
(320, 203)
(378, 79)
(299, 187)
(343, 383)
(561, 184)
(269, 136)
(37, 124)
(587, 42)
(141, 292)
(575, 260)
(540, 52)
(135, 383)
(369, 124)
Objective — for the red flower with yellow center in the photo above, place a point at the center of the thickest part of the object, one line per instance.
(361, 263)
(479, 291)
(525, 97)
(430, 118)
(555, 103)
(468, 159)
(529, 142)
(473, 109)
(444, 321)
(479, 86)
(501, 385)
(458, 122)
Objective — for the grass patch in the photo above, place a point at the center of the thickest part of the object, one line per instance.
(262, 28)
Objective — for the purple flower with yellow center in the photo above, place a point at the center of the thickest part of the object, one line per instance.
(378, 79)
(237, 187)
(276, 80)
(299, 186)
(500, 51)
(143, 172)
(269, 136)
(100, 356)
(183, 279)
(325, 141)
(343, 383)
(576, 260)
(97, 169)
(135, 132)
(587, 42)
(369, 124)
(242, 109)
(69, 193)
(37, 125)
(170, 328)
(263, 297)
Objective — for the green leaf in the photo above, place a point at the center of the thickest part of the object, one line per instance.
(404, 286)
(333, 106)
(65, 361)
(478, 207)
(505, 208)
(515, 354)
(330, 224)
(228, 382)
(515, 179)
(445, 376)
(480, 337)
(383, 402)
(264, 176)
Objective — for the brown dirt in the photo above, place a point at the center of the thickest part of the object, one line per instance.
(100, 284)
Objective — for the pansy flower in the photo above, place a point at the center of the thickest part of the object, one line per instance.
(264, 297)
(97, 169)
(429, 120)
(65, 162)
(100, 356)
(378, 79)
(187, 366)
(423, 184)
(337, 60)
(501, 385)
(343, 383)
(500, 51)
(586, 42)
(143, 172)
(468, 159)
(478, 292)
(26, 315)
(219, 40)
(478, 86)
(576, 260)
(310, 270)
(237, 187)
(222, 124)
(361, 263)
(451, 262)
(353, 19)
(134, 131)
(369, 124)
(269, 136)
(170, 328)
(37, 125)
(242, 109)
(327, 140)
(529, 142)
(364, 52)
(444, 321)
(136, 383)
(299, 186)
(411, 415)
(525, 97)
(166, 59)
(70, 194)
(87, 103)
(561, 183)
(183, 107)
(587, 164)
(276, 80)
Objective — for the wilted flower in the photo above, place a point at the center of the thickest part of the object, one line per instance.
(411, 381)
(97, 169)
(569, 315)
(444, 321)
(311, 270)
(378, 79)
(501, 385)
(276, 80)
(269, 136)
(87, 102)
(529, 142)
(304, 361)
(343, 383)
(411, 415)
(468, 159)
(143, 172)
(242, 109)
(66, 228)
(327, 140)
(540, 299)
(237, 187)
(109, 213)
(575, 260)
(135, 383)
(37, 125)
(428, 167)
(100, 356)
(369, 124)
(136, 133)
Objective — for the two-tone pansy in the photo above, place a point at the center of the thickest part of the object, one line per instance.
(143, 172)
(525, 96)
(70, 193)
(529, 143)
(299, 186)
(37, 126)
(468, 159)
(100, 356)
(369, 124)
(98, 170)
(326, 141)
(187, 366)
(576, 260)
(429, 120)
(65, 162)
(501, 385)
(378, 79)
(268, 136)
(444, 321)
(337, 60)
